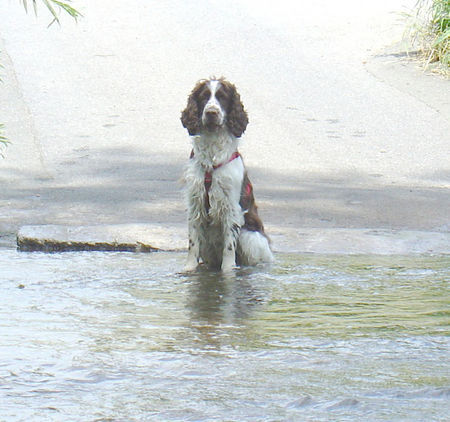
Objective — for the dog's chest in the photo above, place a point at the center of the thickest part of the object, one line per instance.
(214, 194)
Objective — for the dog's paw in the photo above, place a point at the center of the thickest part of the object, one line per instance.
(190, 266)
(228, 270)
(228, 265)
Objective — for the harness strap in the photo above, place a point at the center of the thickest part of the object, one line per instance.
(208, 174)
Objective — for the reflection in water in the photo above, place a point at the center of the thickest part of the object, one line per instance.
(220, 304)
(127, 337)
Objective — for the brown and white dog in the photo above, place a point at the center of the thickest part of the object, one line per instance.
(224, 226)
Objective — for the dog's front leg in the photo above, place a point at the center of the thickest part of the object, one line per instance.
(194, 249)
(229, 250)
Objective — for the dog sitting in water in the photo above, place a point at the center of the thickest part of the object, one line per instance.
(224, 226)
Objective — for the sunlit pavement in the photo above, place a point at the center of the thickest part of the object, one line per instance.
(345, 132)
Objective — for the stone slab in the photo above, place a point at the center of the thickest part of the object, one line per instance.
(118, 237)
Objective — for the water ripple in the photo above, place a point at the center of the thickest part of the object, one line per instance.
(122, 336)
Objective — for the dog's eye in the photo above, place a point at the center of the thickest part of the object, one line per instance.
(204, 95)
(224, 98)
(221, 95)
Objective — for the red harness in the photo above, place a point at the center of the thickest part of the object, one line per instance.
(208, 174)
(208, 177)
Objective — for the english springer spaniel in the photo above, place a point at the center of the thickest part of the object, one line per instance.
(224, 226)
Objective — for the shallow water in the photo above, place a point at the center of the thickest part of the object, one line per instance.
(126, 337)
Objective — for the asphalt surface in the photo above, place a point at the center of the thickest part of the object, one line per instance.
(346, 131)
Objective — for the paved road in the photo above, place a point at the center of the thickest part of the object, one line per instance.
(342, 132)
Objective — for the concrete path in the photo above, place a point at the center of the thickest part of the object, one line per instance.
(345, 131)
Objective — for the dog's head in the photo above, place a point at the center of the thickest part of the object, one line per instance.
(214, 104)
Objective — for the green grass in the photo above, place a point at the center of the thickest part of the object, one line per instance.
(430, 30)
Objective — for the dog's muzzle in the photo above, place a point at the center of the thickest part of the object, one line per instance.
(212, 117)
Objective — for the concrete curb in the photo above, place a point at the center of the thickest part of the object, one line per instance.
(150, 238)
(118, 237)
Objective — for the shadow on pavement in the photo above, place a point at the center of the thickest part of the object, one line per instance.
(119, 185)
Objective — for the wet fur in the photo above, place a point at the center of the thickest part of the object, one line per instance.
(224, 226)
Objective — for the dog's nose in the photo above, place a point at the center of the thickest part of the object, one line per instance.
(212, 117)
(212, 113)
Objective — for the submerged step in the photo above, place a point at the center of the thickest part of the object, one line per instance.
(337, 241)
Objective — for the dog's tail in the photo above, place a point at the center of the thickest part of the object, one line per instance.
(253, 248)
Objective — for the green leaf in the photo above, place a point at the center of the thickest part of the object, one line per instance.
(69, 9)
(445, 36)
(51, 6)
(3, 140)
(52, 11)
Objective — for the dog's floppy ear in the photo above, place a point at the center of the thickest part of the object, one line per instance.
(237, 118)
(190, 116)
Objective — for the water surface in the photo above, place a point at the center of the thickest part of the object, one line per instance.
(127, 337)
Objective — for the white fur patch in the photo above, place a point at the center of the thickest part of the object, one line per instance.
(254, 248)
